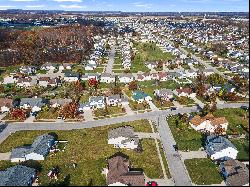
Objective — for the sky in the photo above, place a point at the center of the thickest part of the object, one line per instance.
(130, 5)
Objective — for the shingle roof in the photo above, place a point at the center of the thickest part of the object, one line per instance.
(40, 146)
(32, 102)
(127, 132)
(217, 143)
(17, 176)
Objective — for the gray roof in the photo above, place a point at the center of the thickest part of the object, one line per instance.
(32, 102)
(60, 101)
(107, 75)
(126, 131)
(41, 146)
(217, 143)
(17, 176)
(96, 98)
(165, 91)
(71, 74)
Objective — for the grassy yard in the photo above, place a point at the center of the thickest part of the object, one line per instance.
(50, 114)
(185, 101)
(136, 106)
(165, 104)
(186, 66)
(185, 137)
(236, 119)
(89, 149)
(203, 171)
(148, 52)
(110, 111)
(164, 160)
(243, 148)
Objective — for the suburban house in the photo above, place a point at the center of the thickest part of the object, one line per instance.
(48, 66)
(24, 82)
(35, 104)
(209, 123)
(94, 102)
(17, 176)
(185, 92)
(120, 173)
(220, 148)
(65, 66)
(39, 149)
(5, 105)
(107, 78)
(126, 78)
(12, 79)
(89, 76)
(116, 100)
(151, 65)
(140, 97)
(164, 94)
(235, 173)
(123, 137)
(55, 103)
(163, 76)
(28, 70)
(47, 81)
(144, 77)
(71, 77)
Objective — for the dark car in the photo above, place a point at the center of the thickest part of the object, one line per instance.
(245, 108)
(173, 108)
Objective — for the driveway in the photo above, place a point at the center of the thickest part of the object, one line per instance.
(152, 106)
(5, 156)
(129, 111)
(88, 115)
(2, 115)
(30, 119)
(197, 101)
(142, 135)
(193, 155)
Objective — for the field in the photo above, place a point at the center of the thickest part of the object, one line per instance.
(148, 52)
(203, 172)
(89, 149)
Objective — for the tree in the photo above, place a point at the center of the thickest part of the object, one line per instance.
(116, 90)
(184, 118)
(18, 114)
(133, 85)
(69, 111)
(219, 130)
(93, 84)
(206, 109)
(216, 79)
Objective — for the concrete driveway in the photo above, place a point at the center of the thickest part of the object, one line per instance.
(88, 115)
(142, 135)
(5, 156)
(193, 155)
(152, 106)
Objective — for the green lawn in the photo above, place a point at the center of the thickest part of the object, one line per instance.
(164, 160)
(165, 104)
(236, 119)
(203, 172)
(89, 149)
(185, 137)
(136, 106)
(242, 146)
(185, 66)
(185, 100)
(110, 111)
(148, 52)
(50, 114)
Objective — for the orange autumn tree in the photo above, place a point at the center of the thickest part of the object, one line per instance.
(69, 111)
(18, 114)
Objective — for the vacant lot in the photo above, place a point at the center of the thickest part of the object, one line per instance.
(89, 149)
(203, 171)
(185, 137)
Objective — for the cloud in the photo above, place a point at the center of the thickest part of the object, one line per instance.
(23, 0)
(4, 7)
(72, 6)
(78, 1)
(34, 6)
(140, 4)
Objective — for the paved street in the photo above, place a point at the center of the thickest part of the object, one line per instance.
(176, 166)
(111, 60)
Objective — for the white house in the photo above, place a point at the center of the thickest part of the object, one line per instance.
(5, 105)
(209, 123)
(71, 77)
(185, 92)
(126, 78)
(220, 148)
(107, 78)
(123, 137)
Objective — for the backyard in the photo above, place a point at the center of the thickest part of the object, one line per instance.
(148, 52)
(89, 149)
(203, 172)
